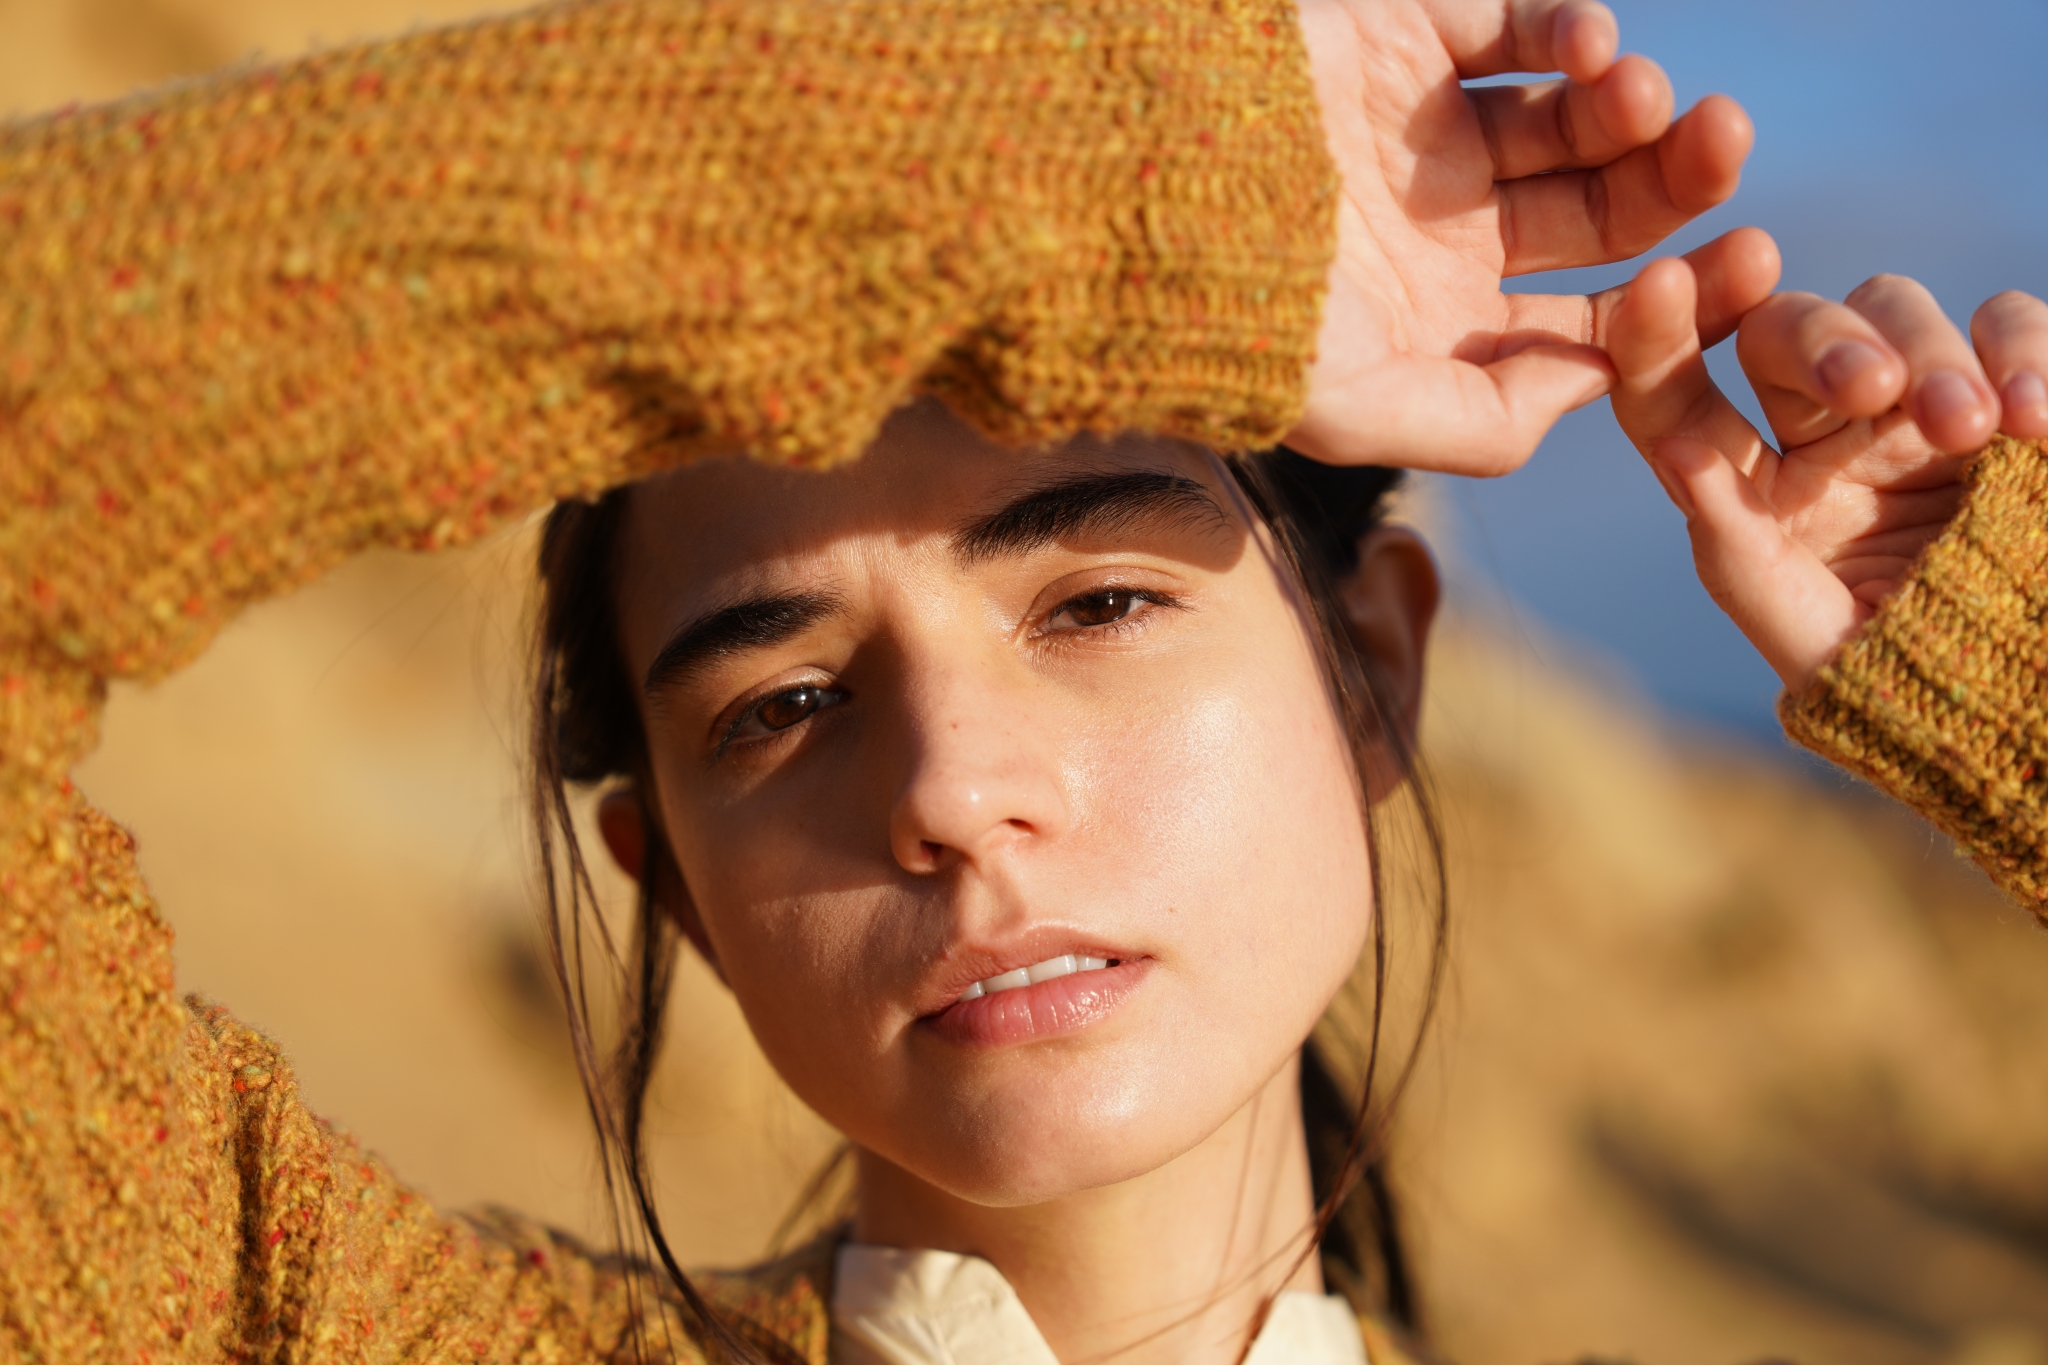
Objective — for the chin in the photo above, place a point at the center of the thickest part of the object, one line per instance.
(1009, 1150)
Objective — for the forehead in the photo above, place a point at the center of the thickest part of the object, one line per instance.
(731, 525)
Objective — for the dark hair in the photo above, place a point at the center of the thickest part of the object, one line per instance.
(586, 730)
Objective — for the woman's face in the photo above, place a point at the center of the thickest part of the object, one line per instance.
(957, 713)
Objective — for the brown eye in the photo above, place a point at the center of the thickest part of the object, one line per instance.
(780, 711)
(785, 709)
(1098, 608)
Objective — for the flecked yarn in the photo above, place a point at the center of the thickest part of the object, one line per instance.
(1942, 699)
(404, 293)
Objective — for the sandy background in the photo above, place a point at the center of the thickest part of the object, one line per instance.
(1735, 1065)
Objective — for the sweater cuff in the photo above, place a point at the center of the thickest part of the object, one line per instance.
(1939, 700)
(1166, 258)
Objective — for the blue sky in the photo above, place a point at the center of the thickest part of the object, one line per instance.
(1910, 137)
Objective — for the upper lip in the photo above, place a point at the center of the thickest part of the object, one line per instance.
(966, 963)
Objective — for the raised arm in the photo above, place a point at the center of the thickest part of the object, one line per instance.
(403, 293)
(1887, 562)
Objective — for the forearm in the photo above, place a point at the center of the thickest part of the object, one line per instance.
(403, 294)
(398, 294)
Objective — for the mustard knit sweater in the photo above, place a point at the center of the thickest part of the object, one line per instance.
(402, 294)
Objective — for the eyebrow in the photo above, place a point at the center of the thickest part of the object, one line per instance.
(753, 623)
(1086, 504)
(1099, 504)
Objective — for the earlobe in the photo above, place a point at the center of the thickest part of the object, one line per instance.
(1390, 602)
(629, 832)
(623, 823)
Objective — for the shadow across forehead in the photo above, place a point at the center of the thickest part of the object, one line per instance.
(729, 555)
(927, 474)
(1093, 504)
(1087, 504)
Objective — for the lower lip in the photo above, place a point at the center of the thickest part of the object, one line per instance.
(1049, 1009)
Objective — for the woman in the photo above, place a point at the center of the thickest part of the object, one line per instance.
(904, 730)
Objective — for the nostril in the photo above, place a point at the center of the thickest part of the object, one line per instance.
(933, 852)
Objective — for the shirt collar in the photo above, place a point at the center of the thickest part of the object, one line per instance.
(896, 1307)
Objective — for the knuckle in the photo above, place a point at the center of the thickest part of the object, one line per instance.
(1564, 127)
(1768, 320)
(1488, 113)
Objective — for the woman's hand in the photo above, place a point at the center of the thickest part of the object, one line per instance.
(1878, 404)
(1423, 361)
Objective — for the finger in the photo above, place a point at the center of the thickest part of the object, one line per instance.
(1576, 37)
(1558, 125)
(1425, 412)
(2011, 333)
(1946, 392)
(1734, 274)
(1816, 366)
(1791, 606)
(1575, 218)
(1662, 388)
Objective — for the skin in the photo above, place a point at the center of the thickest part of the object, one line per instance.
(1013, 764)
(1877, 404)
(1447, 192)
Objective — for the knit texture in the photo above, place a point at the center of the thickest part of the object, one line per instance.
(1940, 699)
(405, 293)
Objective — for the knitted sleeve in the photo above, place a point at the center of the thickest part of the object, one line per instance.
(402, 294)
(1942, 699)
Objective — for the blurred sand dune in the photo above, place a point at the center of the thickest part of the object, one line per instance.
(1736, 1064)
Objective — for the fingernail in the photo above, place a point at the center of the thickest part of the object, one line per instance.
(1946, 396)
(1841, 363)
(2025, 390)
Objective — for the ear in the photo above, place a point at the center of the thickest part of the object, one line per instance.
(1390, 601)
(636, 845)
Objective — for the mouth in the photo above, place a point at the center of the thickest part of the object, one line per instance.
(1067, 964)
(1059, 995)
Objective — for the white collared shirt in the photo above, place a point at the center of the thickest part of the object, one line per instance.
(897, 1307)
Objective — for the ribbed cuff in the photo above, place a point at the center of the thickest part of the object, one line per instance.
(1940, 701)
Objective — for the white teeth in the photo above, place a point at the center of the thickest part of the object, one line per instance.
(1052, 967)
(1008, 981)
(1064, 965)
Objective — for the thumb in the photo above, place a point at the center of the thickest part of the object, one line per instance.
(1451, 416)
(1790, 605)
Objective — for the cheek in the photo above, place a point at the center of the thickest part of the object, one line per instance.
(808, 933)
(1246, 797)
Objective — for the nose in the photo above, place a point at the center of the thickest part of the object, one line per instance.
(984, 774)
